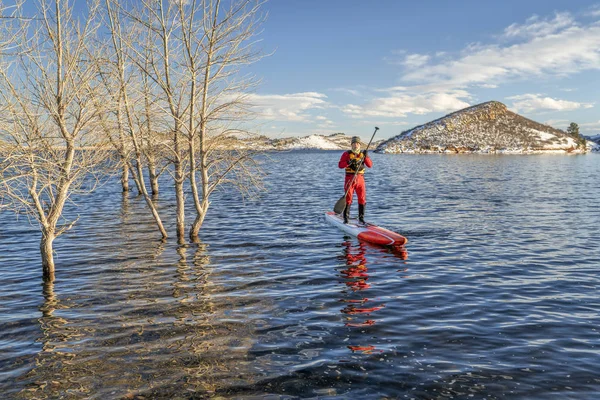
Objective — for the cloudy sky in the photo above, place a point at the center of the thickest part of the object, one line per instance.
(349, 65)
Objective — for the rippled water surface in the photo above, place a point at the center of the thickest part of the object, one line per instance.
(496, 295)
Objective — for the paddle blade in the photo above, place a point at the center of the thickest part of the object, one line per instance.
(340, 205)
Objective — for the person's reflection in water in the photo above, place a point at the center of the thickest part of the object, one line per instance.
(358, 309)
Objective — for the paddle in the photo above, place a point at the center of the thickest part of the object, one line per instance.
(341, 203)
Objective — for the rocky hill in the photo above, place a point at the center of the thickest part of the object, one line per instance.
(336, 141)
(485, 128)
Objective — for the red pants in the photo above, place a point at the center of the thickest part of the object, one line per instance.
(359, 186)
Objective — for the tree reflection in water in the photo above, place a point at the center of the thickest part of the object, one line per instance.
(149, 329)
(56, 335)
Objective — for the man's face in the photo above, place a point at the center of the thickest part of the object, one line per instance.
(356, 147)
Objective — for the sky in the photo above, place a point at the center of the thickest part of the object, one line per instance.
(349, 65)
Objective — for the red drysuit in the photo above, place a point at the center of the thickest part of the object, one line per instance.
(359, 182)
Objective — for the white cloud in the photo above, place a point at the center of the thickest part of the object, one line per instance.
(324, 122)
(557, 122)
(535, 102)
(554, 47)
(393, 89)
(590, 128)
(594, 11)
(353, 92)
(287, 107)
(328, 125)
(538, 48)
(415, 60)
(590, 125)
(400, 104)
(536, 27)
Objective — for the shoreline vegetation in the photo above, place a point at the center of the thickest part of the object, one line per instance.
(158, 86)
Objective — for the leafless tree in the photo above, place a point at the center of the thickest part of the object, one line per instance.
(152, 138)
(192, 51)
(217, 41)
(129, 101)
(155, 53)
(48, 117)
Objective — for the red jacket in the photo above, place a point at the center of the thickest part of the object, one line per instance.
(345, 160)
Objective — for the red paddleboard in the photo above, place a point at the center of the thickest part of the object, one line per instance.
(368, 232)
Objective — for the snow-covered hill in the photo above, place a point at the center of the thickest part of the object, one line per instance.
(485, 128)
(593, 142)
(336, 141)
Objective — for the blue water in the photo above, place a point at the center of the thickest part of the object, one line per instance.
(495, 296)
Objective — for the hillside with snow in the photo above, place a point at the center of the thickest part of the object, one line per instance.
(336, 141)
(485, 128)
(593, 142)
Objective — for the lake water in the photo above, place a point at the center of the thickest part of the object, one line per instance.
(496, 296)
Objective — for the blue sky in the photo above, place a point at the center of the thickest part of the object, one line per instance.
(347, 66)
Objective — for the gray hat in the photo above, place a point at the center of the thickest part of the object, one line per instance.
(355, 139)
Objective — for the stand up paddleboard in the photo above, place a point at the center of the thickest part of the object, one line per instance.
(367, 232)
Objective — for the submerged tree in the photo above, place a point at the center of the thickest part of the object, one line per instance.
(192, 52)
(48, 117)
(217, 44)
(130, 120)
(154, 51)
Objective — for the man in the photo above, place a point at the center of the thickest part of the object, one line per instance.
(354, 161)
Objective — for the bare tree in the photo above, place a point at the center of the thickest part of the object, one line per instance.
(153, 138)
(225, 42)
(192, 51)
(155, 53)
(49, 115)
(217, 41)
(125, 94)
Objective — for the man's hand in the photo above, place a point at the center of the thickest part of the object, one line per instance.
(365, 153)
(353, 164)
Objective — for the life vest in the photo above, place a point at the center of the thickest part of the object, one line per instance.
(359, 158)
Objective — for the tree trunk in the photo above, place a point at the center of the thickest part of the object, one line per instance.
(180, 209)
(125, 178)
(142, 187)
(161, 227)
(195, 229)
(180, 199)
(179, 195)
(152, 175)
(47, 254)
(136, 181)
(200, 211)
(201, 208)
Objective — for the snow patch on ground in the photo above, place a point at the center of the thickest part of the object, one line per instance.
(543, 135)
(563, 143)
(571, 143)
(408, 134)
(593, 145)
(313, 142)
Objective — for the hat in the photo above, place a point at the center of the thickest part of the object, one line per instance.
(355, 139)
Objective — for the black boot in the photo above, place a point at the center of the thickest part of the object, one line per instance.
(361, 213)
(346, 213)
